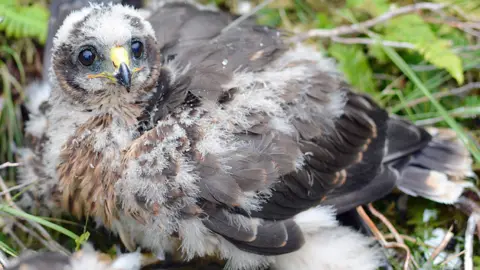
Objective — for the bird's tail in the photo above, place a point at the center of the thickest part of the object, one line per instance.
(437, 169)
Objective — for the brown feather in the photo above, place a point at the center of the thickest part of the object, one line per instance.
(84, 181)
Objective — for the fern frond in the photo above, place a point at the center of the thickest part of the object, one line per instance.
(412, 28)
(19, 21)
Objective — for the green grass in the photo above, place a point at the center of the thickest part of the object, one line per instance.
(443, 59)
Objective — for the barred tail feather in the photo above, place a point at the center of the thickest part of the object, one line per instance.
(438, 171)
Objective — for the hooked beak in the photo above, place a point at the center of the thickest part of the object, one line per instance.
(121, 62)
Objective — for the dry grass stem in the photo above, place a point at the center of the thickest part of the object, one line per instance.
(451, 257)
(457, 91)
(7, 195)
(9, 164)
(369, 41)
(8, 230)
(387, 223)
(382, 238)
(408, 255)
(469, 207)
(16, 187)
(246, 15)
(409, 239)
(448, 236)
(371, 225)
(471, 224)
(50, 243)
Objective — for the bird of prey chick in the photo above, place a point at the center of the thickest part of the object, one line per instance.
(189, 131)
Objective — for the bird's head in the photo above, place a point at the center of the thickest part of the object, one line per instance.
(105, 54)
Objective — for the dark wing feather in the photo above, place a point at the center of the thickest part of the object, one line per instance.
(379, 187)
(404, 139)
(346, 159)
(399, 139)
(274, 238)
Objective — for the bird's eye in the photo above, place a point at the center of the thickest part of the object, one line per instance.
(137, 49)
(87, 57)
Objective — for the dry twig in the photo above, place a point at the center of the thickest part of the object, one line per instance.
(369, 41)
(53, 245)
(449, 258)
(245, 16)
(409, 239)
(9, 164)
(16, 187)
(8, 230)
(408, 255)
(382, 240)
(360, 27)
(461, 112)
(376, 232)
(387, 223)
(471, 224)
(456, 91)
(38, 237)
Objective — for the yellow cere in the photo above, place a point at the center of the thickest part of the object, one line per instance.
(119, 55)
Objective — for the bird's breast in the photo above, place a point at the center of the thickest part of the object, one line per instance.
(89, 167)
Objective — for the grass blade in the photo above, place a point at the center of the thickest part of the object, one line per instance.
(405, 68)
(18, 213)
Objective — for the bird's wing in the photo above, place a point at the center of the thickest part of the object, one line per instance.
(226, 83)
(431, 163)
(400, 140)
(344, 162)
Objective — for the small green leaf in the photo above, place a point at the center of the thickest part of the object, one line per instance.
(377, 52)
(324, 21)
(81, 240)
(439, 54)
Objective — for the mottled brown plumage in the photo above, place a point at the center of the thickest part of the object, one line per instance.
(86, 182)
